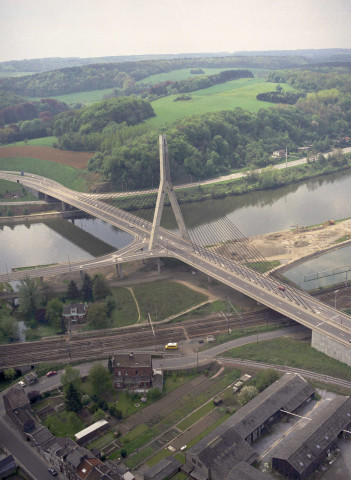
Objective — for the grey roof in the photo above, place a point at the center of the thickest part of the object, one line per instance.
(309, 442)
(132, 360)
(17, 397)
(287, 393)
(163, 469)
(76, 456)
(81, 308)
(41, 435)
(244, 471)
(221, 450)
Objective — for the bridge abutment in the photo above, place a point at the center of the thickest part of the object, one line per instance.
(331, 347)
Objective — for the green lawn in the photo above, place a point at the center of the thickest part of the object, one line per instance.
(67, 176)
(126, 312)
(64, 424)
(293, 353)
(39, 142)
(8, 187)
(226, 96)
(184, 73)
(163, 299)
(80, 97)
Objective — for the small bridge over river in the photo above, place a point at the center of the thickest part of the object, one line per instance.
(331, 329)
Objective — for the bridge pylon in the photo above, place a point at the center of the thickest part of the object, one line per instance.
(166, 187)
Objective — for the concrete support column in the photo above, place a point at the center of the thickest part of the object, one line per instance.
(81, 271)
(41, 279)
(64, 206)
(158, 265)
(119, 270)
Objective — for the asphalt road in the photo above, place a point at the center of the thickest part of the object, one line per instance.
(26, 456)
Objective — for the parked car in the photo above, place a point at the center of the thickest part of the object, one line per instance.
(52, 471)
(281, 288)
(21, 383)
(51, 373)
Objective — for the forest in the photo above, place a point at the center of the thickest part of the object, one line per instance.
(123, 75)
(315, 110)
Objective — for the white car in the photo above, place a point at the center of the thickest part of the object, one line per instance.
(21, 383)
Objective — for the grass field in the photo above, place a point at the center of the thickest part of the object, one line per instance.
(8, 187)
(225, 96)
(293, 353)
(67, 176)
(41, 142)
(184, 73)
(80, 97)
(64, 424)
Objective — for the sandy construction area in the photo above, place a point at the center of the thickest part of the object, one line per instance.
(291, 245)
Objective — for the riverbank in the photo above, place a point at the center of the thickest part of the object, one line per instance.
(291, 246)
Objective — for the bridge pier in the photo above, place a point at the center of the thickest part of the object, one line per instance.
(331, 347)
(158, 265)
(119, 270)
(81, 271)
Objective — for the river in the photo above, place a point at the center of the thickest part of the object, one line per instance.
(305, 203)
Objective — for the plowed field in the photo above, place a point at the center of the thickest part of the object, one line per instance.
(77, 160)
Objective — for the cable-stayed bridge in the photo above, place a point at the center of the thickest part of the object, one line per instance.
(331, 329)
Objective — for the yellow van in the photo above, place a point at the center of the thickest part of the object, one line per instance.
(171, 346)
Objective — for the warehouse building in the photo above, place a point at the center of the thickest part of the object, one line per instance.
(301, 455)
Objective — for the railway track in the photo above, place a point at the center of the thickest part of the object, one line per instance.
(104, 343)
(285, 369)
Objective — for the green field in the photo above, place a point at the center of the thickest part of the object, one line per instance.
(225, 96)
(67, 176)
(38, 142)
(184, 73)
(8, 187)
(293, 353)
(80, 97)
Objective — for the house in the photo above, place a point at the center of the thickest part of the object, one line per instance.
(278, 154)
(7, 465)
(216, 455)
(132, 371)
(74, 312)
(17, 407)
(31, 378)
(299, 456)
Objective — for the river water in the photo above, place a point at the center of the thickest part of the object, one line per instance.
(306, 203)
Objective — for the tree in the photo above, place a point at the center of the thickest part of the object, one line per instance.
(99, 415)
(100, 379)
(73, 401)
(110, 304)
(109, 364)
(9, 373)
(71, 376)
(54, 312)
(96, 315)
(101, 288)
(87, 288)
(30, 297)
(247, 394)
(264, 378)
(72, 291)
(9, 329)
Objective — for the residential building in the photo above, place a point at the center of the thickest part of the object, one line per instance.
(74, 313)
(132, 371)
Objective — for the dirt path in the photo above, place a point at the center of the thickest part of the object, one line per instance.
(136, 303)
